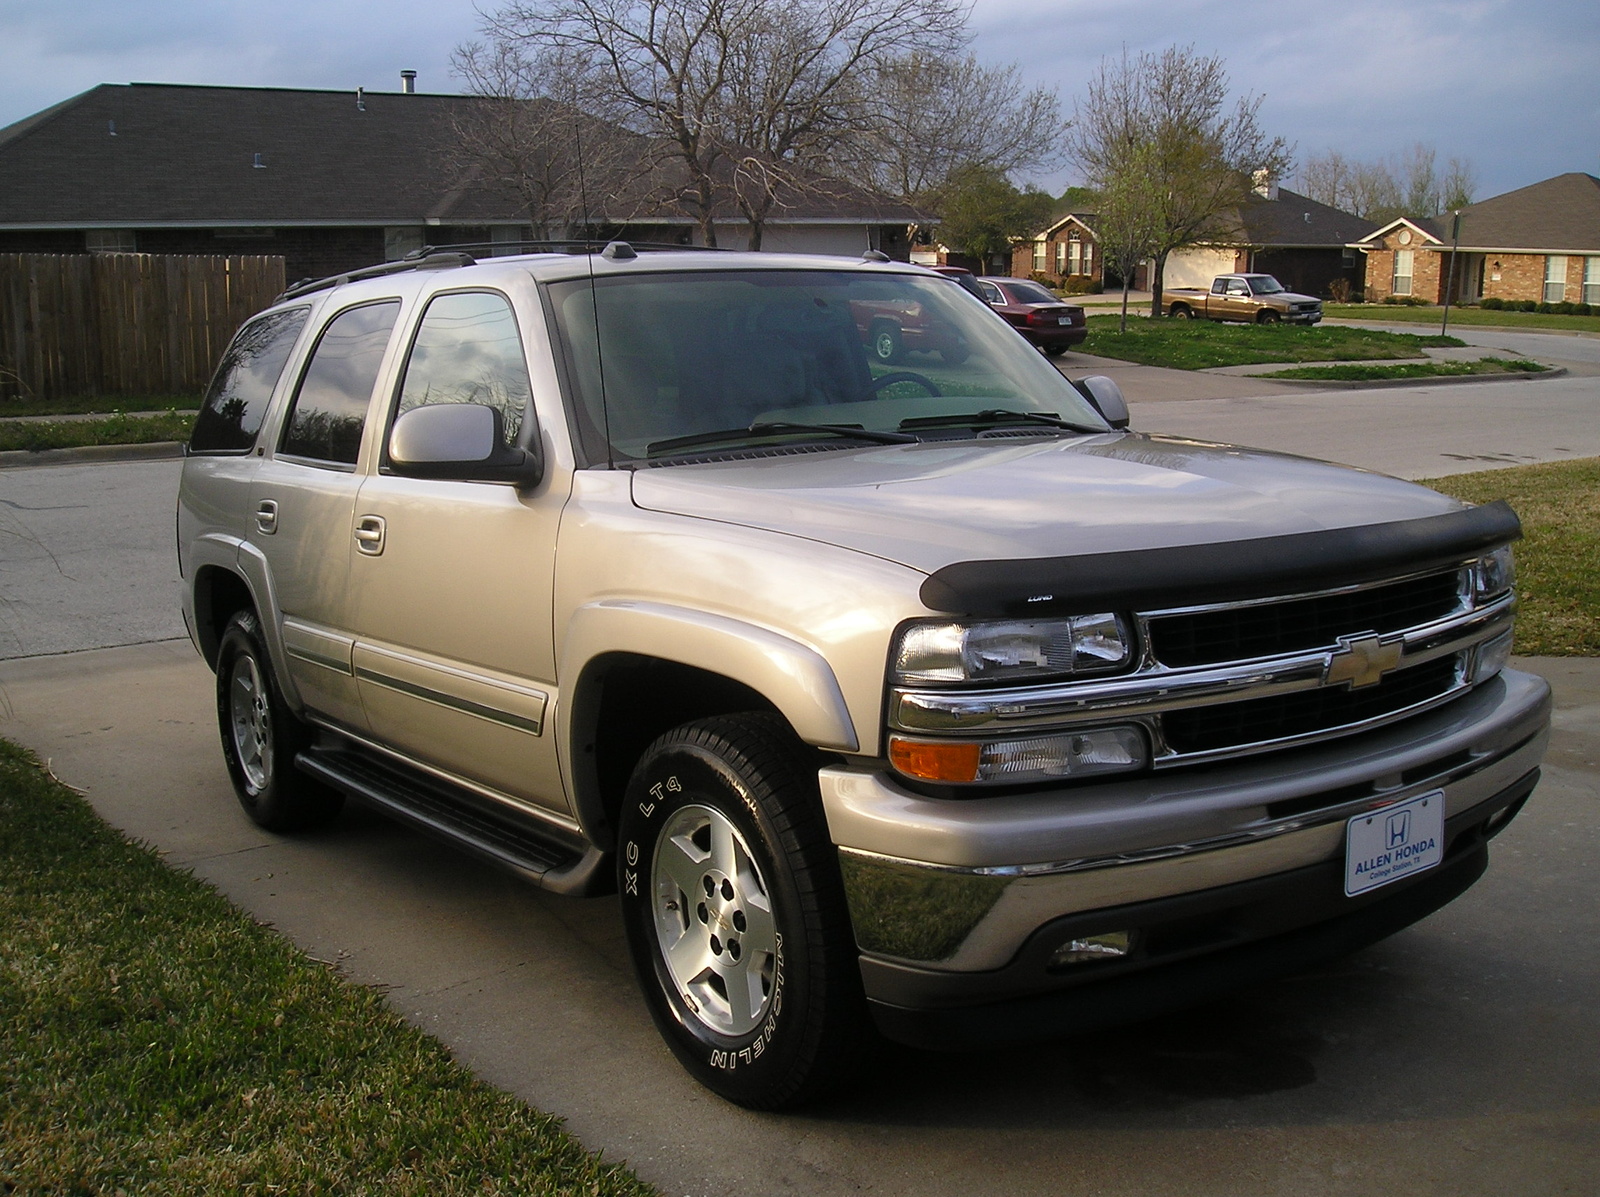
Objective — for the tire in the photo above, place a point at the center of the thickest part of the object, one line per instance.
(1054, 350)
(1267, 316)
(1181, 312)
(887, 344)
(735, 913)
(260, 737)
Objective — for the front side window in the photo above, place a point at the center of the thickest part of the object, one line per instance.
(237, 400)
(1402, 271)
(330, 408)
(658, 358)
(1555, 278)
(468, 350)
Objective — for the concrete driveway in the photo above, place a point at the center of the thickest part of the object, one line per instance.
(1460, 1057)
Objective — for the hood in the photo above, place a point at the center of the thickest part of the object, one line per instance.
(1295, 297)
(930, 505)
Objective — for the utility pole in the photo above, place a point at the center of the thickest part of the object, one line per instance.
(1455, 242)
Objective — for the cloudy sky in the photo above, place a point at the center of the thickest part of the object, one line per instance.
(1509, 84)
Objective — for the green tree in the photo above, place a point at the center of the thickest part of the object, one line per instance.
(984, 213)
(1128, 220)
(1197, 156)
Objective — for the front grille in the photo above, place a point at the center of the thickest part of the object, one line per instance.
(1231, 725)
(1270, 629)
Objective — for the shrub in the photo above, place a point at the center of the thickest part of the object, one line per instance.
(1339, 289)
(1526, 305)
(1493, 303)
(1080, 284)
(1407, 301)
(1585, 309)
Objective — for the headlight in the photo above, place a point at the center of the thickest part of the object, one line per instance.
(1012, 650)
(1495, 574)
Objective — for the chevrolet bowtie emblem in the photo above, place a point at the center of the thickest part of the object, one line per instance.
(1361, 661)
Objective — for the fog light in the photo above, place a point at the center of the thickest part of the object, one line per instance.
(1108, 945)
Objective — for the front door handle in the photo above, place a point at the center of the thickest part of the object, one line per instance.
(369, 534)
(267, 517)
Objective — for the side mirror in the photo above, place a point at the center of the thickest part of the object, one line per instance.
(464, 441)
(1107, 398)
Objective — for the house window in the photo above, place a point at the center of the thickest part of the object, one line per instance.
(110, 241)
(1061, 257)
(1075, 257)
(1402, 271)
(1591, 280)
(1038, 256)
(1088, 257)
(1555, 278)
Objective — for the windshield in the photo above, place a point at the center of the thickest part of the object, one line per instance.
(1265, 284)
(685, 354)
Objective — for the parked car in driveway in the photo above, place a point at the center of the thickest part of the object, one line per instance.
(918, 700)
(1036, 313)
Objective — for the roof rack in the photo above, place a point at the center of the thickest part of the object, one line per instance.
(426, 260)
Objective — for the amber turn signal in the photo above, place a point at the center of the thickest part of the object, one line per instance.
(935, 760)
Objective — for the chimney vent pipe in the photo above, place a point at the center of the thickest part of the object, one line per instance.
(408, 82)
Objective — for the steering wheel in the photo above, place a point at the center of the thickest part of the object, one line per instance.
(895, 376)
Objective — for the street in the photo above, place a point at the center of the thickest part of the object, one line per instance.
(1460, 1057)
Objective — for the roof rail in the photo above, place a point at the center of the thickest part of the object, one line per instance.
(427, 260)
(575, 245)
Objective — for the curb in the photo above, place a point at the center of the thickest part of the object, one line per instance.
(1355, 384)
(90, 454)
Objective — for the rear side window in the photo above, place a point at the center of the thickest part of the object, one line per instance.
(330, 408)
(237, 401)
(468, 350)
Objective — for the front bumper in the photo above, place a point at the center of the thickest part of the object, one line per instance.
(961, 902)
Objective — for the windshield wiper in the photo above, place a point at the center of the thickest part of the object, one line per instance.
(759, 428)
(994, 415)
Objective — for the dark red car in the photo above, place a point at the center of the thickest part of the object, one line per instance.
(1036, 313)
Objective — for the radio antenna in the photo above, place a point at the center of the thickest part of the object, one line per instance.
(594, 298)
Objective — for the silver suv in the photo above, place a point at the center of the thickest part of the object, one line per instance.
(919, 699)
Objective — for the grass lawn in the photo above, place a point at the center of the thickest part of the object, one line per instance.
(102, 405)
(156, 1040)
(1399, 313)
(1558, 562)
(1348, 373)
(1201, 344)
(111, 430)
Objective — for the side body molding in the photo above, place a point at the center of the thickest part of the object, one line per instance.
(795, 678)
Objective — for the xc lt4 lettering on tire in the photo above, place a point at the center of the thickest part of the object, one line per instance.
(735, 915)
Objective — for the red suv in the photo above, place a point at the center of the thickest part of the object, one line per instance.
(1036, 313)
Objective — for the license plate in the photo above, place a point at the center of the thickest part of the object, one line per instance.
(1063, 319)
(1393, 842)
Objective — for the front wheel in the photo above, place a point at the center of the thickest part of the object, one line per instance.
(735, 913)
(1267, 316)
(261, 737)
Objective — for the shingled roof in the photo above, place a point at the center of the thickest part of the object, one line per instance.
(1558, 215)
(1295, 221)
(158, 154)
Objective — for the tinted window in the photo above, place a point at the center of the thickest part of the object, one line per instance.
(330, 409)
(468, 350)
(237, 401)
(1027, 292)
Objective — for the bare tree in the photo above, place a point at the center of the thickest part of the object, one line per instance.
(740, 99)
(527, 137)
(1195, 154)
(1408, 185)
(931, 117)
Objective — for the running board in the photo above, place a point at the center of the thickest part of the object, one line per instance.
(460, 817)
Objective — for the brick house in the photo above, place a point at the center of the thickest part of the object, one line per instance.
(1538, 243)
(1304, 243)
(329, 180)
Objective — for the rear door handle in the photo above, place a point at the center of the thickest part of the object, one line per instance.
(267, 517)
(369, 534)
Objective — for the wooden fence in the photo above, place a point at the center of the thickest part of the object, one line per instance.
(123, 324)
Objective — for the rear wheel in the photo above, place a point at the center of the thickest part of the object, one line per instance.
(735, 913)
(260, 737)
(1181, 311)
